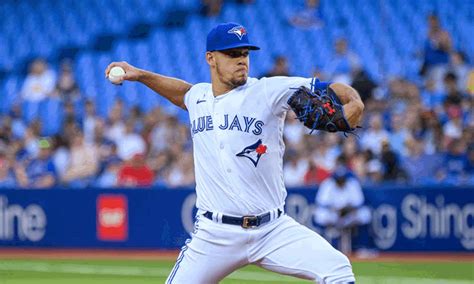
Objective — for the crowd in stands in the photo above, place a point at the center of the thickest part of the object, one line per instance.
(417, 132)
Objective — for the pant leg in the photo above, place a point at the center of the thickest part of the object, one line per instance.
(292, 249)
(325, 217)
(360, 216)
(213, 252)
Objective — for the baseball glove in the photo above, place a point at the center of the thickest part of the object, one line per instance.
(319, 110)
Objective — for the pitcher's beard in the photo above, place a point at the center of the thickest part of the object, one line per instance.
(239, 82)
(234, 82)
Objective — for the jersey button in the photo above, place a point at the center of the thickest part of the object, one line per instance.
(222, 145)
(229, 171)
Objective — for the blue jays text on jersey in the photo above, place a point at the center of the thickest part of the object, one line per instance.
(233, 123)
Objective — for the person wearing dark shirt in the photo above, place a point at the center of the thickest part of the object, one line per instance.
(455, 163)
(393, 172)
(436, 49)
(7, 175)
(280, 67)
(453, 97)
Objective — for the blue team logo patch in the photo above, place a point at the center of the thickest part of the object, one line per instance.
(253, 152)
(239, 31)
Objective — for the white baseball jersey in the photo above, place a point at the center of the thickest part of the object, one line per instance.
(238, 156)
(238, 144)
(348, 195)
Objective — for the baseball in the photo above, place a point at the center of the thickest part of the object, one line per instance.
(116, 74)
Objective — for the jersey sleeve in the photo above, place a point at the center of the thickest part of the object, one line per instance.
(192, 93)
(279, 89)
(188, 95)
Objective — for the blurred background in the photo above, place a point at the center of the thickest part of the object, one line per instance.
(66, 128)
(411, 63)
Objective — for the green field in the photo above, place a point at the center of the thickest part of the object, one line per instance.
(143, 271)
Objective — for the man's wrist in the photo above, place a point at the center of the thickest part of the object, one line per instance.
(142, 74)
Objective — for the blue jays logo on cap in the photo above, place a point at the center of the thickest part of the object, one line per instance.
(254, 152)
(227, 36)
(238, 31)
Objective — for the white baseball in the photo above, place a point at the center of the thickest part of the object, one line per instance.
(116, 74)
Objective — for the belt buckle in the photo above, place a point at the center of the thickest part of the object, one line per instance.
(246, 223)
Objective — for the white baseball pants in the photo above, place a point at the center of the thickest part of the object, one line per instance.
(281, 245)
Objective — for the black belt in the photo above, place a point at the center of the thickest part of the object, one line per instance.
(246, 222)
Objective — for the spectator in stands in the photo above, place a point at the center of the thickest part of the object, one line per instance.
(470, 84)
(293, 131)
(309, 17)
(181, 172)
(372, 138)
(460, 68)
(17, 124)
(211, 8)
(115, 128)
(432, 99)
(110, 166)
(137, 116)
(345, 211)
(159, 164)
(315, 175)
(39, 82)
(38, 172)
(350, 149)
(436, 50)
(135, 173)
(420, 166)
(130, 143)
(7, 173)
(453, 97)
(294, 169)
(83, 164)
(326, 151)
(31, 139)
(453, 128)
(398, 134)
(343, 65)
(89, 122)
(71, 127)
(373, 168)
(6, 131)
(432, 132)
(72, 121)
(61, 155)
(392, 170)
(100, 139)
(66, 87)
(455, 163)
(161, 131)
(280, 67)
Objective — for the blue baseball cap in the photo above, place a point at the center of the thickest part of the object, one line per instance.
(341, 172)
(228, 35)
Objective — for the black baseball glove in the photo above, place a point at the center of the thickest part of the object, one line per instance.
(319, 110)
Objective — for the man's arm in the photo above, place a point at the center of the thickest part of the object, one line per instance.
(352, 103)
(171, 88)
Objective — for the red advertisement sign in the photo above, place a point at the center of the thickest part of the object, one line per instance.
(112, 217)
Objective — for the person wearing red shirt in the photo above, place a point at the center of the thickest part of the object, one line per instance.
(135, 173)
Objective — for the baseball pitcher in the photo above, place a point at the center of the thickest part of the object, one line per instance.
(237, 130)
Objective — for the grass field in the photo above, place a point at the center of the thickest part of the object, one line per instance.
(22, 271)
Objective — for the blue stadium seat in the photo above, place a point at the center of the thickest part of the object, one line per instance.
(51, 115)
(28, 32)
